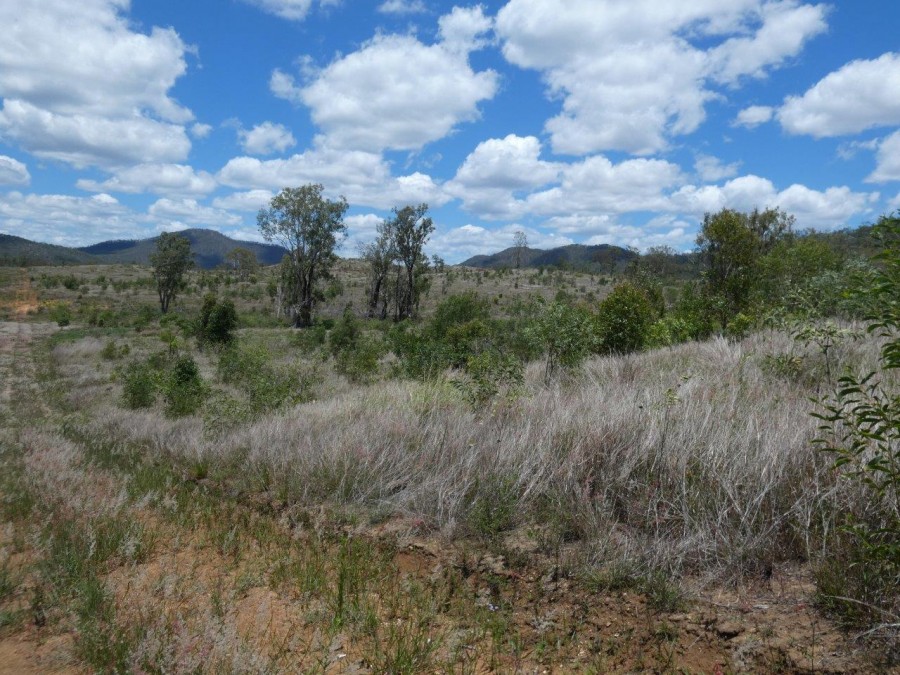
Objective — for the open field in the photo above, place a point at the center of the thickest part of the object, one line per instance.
(128, 288)
(663, 511)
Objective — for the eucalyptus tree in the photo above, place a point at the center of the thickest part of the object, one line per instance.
(171, 259)
(309, 226)
(411, 227)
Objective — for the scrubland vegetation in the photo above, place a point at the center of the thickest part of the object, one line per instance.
(527, 470)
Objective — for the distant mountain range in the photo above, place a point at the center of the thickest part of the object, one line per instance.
(211, 247)
(600, 258)
(208, 246)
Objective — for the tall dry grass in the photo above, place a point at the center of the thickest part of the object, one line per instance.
(696, 458)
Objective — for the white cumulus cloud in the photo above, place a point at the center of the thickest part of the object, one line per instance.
(80, 85)
(754, 115)
(888, 160)
(711, 169)
(190, 211)
(13, 172)
(396, 92)
(629, 75)
(67, 220)
(293, 10)
(827, 209)
(165, 179)
(860, 95)
(249, 200)
(364, 178)
(402, 7)
(266, 138)
(491, 176)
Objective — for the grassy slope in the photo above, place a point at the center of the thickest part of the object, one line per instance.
(588, 525)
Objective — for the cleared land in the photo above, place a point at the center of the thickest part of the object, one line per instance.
(661, 512)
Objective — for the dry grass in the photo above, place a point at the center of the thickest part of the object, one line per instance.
(231, 552)
(695, 458)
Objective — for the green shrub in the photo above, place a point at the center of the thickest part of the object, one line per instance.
(184, 391)
(61, 314)
(312, 338)
(111, 351)
(222, 413)
(494, 504)
(360, 364)
(456, 310)
(140, 384)
(240, 362)
(265, 386)
(623, 320)
(345, 334)
(667, 331)
(217, 321)
(567, 336)
(739, 326)
(488, 374)
(861, 429)
(144, 316)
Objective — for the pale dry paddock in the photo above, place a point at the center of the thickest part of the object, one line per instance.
(696, 458)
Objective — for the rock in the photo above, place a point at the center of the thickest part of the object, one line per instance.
(729, 629)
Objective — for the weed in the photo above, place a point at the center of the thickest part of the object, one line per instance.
(494, 505)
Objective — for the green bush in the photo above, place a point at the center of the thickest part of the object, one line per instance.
(739, 326)
(456, 310)
(488, 374)
(567, 336)
(265, 386)
(184, 391)
(623, 320)
(217, 321)
(61, 314)
(111, 351)
(360, 364)
(669, 330)
(696, 311)
(356, 354)
(494, 504)
(345, 334)
(140, 384)
(144, 316)
(861, 429)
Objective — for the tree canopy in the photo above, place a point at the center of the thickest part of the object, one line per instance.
(309, 226)
(171, 259)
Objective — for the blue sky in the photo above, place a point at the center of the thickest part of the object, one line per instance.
(587, 121)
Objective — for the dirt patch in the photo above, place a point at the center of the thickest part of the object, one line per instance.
(31, 654)
(24, 299)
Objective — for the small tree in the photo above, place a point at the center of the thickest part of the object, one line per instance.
(728, 250)
(411, 231)
(308, 226)
(170, 260)
(380, 255)
(243, 261)
(520, 242)
(861, 428)
(731, 244)
(216, 322)
(624, 319)
(567, 335)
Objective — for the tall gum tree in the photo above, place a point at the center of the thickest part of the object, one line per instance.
(411, 227)
(171, 259)
(309, 226)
